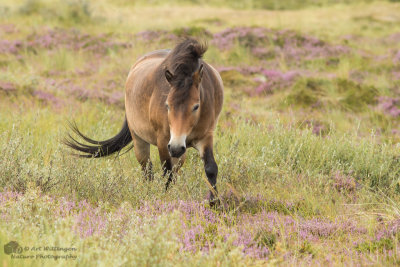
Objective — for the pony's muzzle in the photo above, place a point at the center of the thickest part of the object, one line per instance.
(177, 145)
(176, 151)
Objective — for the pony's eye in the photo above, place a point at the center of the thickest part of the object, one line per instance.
(167, 106)
(196, 107)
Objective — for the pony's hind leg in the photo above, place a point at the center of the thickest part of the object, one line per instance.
(142, 153)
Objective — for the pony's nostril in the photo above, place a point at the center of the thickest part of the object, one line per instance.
(169, 146)
(183, 148)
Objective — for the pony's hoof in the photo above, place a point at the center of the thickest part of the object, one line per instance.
(213, 200)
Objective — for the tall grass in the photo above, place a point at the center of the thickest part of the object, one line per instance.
(34, 155)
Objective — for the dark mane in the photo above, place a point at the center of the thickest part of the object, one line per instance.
(183, 61)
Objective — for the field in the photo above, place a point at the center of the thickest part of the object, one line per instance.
(308, 142)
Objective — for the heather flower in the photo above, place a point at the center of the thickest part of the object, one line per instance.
(9, 195)
(390, 106)
(393, 38)
(344, 183)
(62, 38)
(7, 87)
(389, 230)
(318, 129)
(396, 75)
(116, 98)
(8, 28)
(396, 57)
(48, 98)
(89, 220)
(150, 35)
(268, 80)
(10, 47)
(272, 80)
(267, 43)
(65, 207)
(200, 228)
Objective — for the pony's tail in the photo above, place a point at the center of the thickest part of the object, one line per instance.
(98, 149)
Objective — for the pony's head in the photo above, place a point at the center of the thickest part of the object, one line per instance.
(183, 71)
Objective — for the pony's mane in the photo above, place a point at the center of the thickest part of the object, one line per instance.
(183, 61)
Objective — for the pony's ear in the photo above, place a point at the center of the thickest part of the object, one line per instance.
(198, 75)
(201, 71)
(169, 76)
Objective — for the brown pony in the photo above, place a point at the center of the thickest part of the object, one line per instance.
(172, 100)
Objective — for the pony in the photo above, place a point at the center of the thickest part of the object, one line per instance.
(173, 99)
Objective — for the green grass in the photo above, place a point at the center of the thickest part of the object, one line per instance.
(247, 165)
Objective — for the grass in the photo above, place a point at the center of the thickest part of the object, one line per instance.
(307, 144)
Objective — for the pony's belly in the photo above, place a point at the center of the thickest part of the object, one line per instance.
(142, 128)
(138, 118)
(146, 135)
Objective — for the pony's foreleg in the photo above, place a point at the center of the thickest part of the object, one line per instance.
(205, 148)
(142, 153)
(176, 164)
(170, 165)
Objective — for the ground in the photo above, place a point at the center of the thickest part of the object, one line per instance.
(307, 143)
